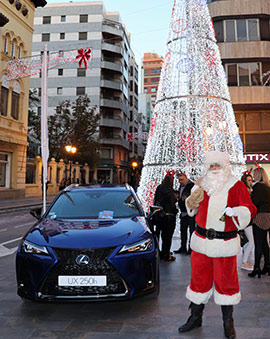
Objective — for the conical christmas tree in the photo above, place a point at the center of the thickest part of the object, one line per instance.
(193, 112)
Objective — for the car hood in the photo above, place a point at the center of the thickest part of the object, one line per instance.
(90, 233)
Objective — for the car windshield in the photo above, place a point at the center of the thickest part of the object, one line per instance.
(94, 204)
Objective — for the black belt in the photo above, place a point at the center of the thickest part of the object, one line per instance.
(213, 234)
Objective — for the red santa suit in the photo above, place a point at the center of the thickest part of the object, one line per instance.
(213, 261)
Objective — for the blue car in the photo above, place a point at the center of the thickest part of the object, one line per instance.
(93, 242)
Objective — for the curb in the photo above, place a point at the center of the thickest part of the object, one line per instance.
(10, 209)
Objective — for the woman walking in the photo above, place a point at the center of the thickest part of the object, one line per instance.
(261, 222)
(248, 248)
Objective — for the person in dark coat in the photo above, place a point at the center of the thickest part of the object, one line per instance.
(185, 220)
(165, 197)
(261, 199)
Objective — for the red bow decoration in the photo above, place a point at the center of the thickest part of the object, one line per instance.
(246, 173)
(258, 167)
(170, 173)
(83, 56)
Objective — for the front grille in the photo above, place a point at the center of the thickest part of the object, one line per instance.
(98, 265)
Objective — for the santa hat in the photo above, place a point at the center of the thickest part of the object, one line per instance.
(217, 157)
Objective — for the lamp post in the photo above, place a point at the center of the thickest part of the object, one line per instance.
(70, 150)
(134, 166)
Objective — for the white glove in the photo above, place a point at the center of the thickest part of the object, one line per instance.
(229, 212)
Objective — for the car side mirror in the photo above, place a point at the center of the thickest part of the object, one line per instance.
(36, 212)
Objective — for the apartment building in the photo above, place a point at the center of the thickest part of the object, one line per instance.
(151, 70)
(106, 81)
(16, 30)
(243, 35)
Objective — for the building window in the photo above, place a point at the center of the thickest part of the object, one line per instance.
(63, 18)
(153, 89)
(60, 71)
(219, 31)
(106, 153)
(46, 20)
(230, 30)
(59, 90)
(241, 30)
(45, 37)
(145, 72)
(84, 18)
(81, 72)
(13, 49)
(15, 105)
(155, 80)
(6, 45)
(244, 74)
(4, 101)
(232, 75)
(39, 92)
(80, 90)
(19, 51)
(82, 35)
(145, 90)
(155, 71)
(62, 36)
(153, 97)
(30, 177)
(4, 169)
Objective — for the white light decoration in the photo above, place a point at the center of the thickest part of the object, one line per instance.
(193, 112)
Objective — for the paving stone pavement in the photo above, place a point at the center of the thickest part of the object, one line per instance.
(141, 318)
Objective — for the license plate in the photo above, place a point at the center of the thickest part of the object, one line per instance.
(82, 280)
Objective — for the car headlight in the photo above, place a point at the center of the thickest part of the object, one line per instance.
(29, 247)
(140, 246)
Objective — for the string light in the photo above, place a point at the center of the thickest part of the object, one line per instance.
(193, 112)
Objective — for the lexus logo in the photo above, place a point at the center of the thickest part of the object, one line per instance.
(82, 259)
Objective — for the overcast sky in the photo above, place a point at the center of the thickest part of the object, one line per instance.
(146, 20)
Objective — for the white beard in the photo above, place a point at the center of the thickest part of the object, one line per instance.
(214, 181)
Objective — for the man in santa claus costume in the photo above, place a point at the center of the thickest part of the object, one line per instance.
(222, 206)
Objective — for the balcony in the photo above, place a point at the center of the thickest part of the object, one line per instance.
(244, 49)
(116, 141)
(112, 27)
(113, 66)
(241, 7)
(112, 47)
(112, 102)
(114, 122)
(114, 84)
(250, 95)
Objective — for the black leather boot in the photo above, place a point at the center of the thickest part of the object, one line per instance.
(229, 330)
(195, 320)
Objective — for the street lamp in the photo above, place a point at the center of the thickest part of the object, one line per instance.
(70, 150)
(134, 164)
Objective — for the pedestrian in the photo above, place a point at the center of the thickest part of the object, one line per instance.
(261, 223)
(165, 197)
(222, 206)
(186, 222)
(62, 184)
(248, 248)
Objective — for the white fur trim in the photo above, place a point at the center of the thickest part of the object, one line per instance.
(215, 248)
(190, 212)
(217, 204)
(198, 298)
(244, 216)
(224, 299)
(218, 157)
